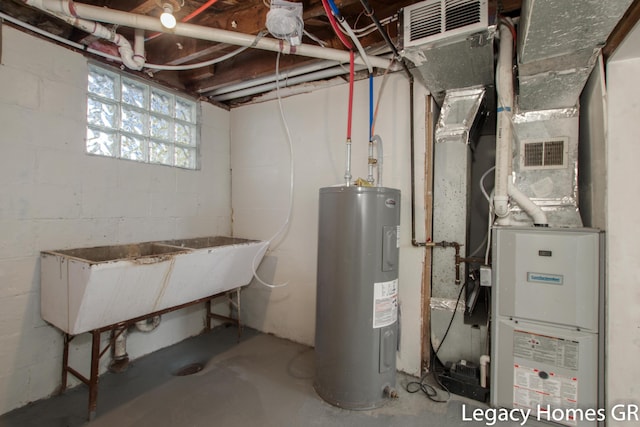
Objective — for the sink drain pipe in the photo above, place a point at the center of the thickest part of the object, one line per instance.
(149, 23)
(148, 325)
(119, 356)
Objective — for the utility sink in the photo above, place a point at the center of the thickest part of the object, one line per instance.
(89, 288)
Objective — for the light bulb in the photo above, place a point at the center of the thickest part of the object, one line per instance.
(167, 19)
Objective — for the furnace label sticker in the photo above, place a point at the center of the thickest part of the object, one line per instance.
(385, 303)
(552, 279)
(548, 350)
(544, 392)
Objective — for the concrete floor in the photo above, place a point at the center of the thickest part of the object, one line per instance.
(262, 381)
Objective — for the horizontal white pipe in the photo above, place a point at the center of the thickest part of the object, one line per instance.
(63, 9)
(323, 74)
(214, 34)
(41, 32)
(58, 38)
(270, 78)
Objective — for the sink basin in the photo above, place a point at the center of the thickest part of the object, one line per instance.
(89, 288)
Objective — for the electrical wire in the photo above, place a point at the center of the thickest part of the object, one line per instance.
(480, 246)
(314, 38)
(490, 201)
(430, 391)
(490, 221)
(282, 230)
(40, 31)
(229, 55)
(365, 31)
(484, 190)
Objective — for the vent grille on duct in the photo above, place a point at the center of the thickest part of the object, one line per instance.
(434, 20)
(550, 154)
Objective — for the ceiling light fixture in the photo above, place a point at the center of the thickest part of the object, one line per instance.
(167, 19)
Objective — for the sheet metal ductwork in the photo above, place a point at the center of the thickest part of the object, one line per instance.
(545, 165)
(558, 46)
(458, 122)
(449, 43)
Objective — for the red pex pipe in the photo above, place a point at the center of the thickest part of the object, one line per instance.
(347, 43)
(198, 11)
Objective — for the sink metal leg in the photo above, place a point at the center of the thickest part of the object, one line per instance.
(65, 362)
(93, 379)
(209, 317)
(97, 353)
(238, 314)
(233, 305)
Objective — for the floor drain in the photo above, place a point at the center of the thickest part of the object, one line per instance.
(189, 369)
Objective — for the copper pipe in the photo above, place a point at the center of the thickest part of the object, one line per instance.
(458, 258)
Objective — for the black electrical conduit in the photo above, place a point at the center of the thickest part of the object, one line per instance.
(385, 36)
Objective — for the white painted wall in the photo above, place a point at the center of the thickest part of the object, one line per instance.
(623, 232)
(260, 164)
(54, 196)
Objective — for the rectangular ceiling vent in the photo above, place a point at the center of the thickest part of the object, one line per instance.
(435, 21)
(544, 154)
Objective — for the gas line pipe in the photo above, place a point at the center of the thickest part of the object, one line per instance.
(458, 258)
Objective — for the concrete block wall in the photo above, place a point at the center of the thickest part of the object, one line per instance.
(260, 198)
(54, 196)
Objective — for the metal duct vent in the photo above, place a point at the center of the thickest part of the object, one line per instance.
(544, 154)
(433, 20)
(460, 13)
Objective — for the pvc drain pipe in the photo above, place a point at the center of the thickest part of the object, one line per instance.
(127, 19)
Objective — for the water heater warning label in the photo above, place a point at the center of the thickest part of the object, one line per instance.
(385, 303)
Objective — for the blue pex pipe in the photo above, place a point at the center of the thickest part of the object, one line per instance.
(334, 8)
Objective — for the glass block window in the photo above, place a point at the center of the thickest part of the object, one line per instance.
(133, 120)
